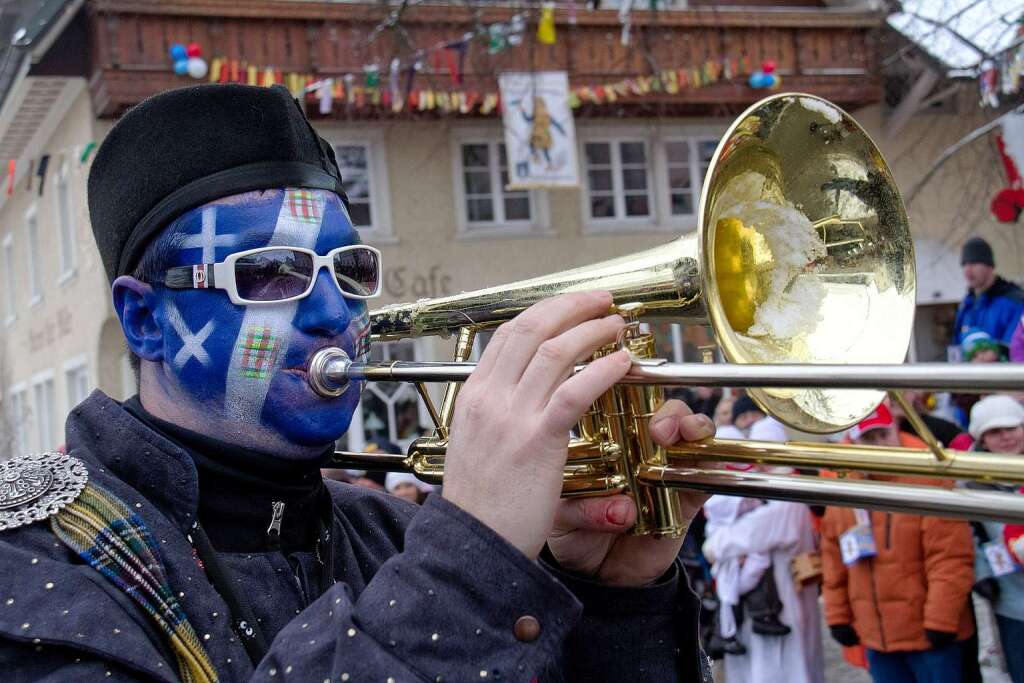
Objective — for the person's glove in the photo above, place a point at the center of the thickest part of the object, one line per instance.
(939, 638)
(987, 588)
(844, 635)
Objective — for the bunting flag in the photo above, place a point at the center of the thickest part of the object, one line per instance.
(456, 56)
(44, 163)
(86, 152)
(400, 94)
(546, 25)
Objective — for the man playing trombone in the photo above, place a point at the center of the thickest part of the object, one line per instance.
(187, 534)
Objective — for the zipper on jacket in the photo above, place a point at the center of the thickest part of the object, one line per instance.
(875, 603)
(888, 530)
(274, 530)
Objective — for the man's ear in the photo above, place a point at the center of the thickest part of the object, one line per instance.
(135, 303)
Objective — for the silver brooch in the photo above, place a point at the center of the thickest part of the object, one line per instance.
(34, 487)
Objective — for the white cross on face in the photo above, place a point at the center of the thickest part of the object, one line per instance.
(208, 238)
(192, 343)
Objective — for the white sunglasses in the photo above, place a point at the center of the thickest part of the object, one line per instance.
(279, 274)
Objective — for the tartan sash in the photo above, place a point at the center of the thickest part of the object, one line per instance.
(116, 542)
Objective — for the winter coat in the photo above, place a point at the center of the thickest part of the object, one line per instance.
(1017, 343)
(997, 311)
(920, 578)
(422, 593)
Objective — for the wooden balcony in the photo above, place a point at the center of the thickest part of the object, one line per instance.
(825, 52)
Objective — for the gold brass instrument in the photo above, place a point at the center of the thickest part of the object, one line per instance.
(803, 266)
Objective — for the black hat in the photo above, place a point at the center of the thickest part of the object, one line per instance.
(744, 404)
(977, 250)
(183, 148)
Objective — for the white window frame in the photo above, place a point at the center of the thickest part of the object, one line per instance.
(693, 136)
(539, 224)
(10, 280)
(73, 367)
(50, 422)
(34, 256)
(65, 225)
(18, 394)
(381, 229)
(620, 222)
(356, 434)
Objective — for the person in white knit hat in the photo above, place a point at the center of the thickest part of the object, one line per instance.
(405, 485)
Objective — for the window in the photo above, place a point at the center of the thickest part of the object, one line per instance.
(618, 180)
(34, 265)
(76, 376)
(9, 280)
(19, 417)
(362, 168)
(486, 206)
(45, 411)
(389, 411)
(65, 225)
(686, 163)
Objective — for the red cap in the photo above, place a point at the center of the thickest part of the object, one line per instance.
(880, 417)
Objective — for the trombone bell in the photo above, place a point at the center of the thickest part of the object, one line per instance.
(803, 255)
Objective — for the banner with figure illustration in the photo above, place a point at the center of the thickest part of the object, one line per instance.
(540, 139)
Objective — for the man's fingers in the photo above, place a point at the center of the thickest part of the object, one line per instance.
(610, 514)
(556, 357)
(575, 395)
(541, 322)
(675, 422)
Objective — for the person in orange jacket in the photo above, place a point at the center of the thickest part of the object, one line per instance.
(898, 583)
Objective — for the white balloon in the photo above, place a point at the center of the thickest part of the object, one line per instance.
(197, 67)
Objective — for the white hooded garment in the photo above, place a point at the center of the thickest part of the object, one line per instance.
(781, 530)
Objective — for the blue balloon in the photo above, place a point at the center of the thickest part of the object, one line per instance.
(759, 79)
(181, 67)
(178, 53)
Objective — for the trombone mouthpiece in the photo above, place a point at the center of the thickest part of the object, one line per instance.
(327, 372)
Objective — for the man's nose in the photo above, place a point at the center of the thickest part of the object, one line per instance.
(325, 311)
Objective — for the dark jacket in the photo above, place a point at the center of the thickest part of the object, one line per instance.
(997, 311)
(404, 573)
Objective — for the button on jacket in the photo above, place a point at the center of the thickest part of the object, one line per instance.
(421, 593)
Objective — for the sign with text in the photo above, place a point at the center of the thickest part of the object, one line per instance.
(540, 138)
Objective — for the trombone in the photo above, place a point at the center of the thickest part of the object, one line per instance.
(803, 267)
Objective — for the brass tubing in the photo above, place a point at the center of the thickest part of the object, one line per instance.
(582, 451)
(966, 378)
(463, 350)
(974, 465)
(858, 493)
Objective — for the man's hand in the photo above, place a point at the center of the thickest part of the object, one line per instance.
(510, 430)
(589, 534)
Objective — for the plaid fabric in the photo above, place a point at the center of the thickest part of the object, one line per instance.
(259, 351)
(115, 542)
(304, 206)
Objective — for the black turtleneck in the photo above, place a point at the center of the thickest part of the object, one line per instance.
(239, 487)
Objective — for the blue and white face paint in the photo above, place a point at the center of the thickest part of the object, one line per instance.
(238, 373)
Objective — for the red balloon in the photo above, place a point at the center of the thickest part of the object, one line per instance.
(193, 50)
(1007, 206)
(768, 67)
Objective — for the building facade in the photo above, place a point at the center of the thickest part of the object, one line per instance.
(428, 189)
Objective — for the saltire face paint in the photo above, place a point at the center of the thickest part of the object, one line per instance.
(240, 370)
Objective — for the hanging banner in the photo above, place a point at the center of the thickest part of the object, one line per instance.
(540, 138)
